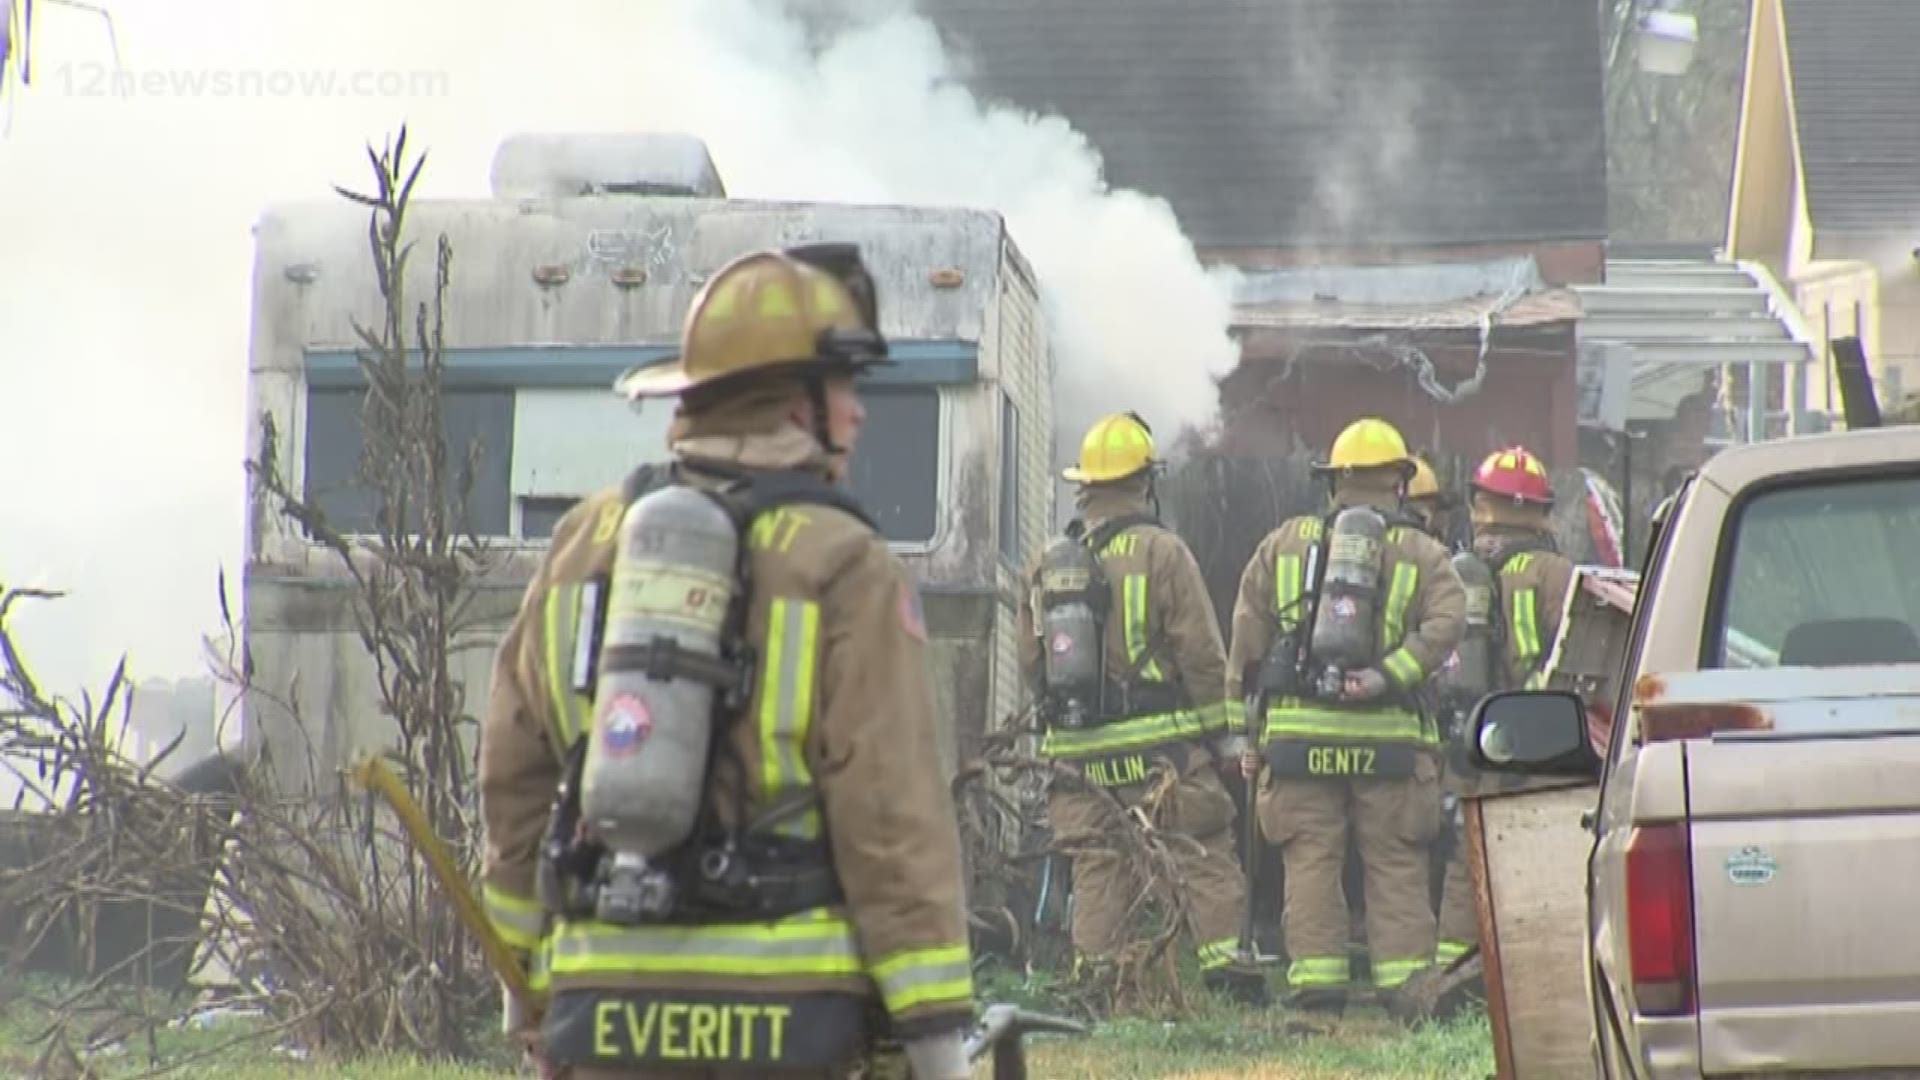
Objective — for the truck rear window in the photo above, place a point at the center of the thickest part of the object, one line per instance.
(1823, 575)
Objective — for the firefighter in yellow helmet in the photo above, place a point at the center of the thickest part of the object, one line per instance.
(1339, 620)
(1121, 647)
(791, 901)
(1431, 506)
(1512, 502)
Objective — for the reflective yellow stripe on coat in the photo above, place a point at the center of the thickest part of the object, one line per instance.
(921, 977)
(1133, 595)
(1396, 662)
(816, 942)
(1138, 733)
(787, 668)
(520, 921)
(1292, 718)
(572, 714)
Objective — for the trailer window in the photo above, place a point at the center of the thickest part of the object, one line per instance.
(335, 438)
(539, 514)
(896, 469)
(1821, 575)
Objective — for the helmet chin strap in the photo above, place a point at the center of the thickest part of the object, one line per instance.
(817, 395)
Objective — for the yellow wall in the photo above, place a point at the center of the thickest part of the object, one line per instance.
(1849, 283)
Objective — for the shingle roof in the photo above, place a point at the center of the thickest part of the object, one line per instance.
(1856, 100)
(1334, 122)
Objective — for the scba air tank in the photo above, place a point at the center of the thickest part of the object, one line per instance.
(1343, 625)
(673, 579)
(1468, 676)
(1070, 627)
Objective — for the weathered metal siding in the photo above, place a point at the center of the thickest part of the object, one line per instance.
(1024, 366)
(313, 279)
(493, 300)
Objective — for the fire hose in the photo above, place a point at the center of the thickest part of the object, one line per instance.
(376, 778)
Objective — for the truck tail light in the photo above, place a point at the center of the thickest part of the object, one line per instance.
(1660, 919)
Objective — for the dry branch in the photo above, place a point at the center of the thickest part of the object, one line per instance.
(1002, 798)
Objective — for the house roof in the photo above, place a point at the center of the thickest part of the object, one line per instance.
(1275, 123)
(1433, 296)
(1856, 100)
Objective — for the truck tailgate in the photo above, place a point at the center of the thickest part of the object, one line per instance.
(1806, 869)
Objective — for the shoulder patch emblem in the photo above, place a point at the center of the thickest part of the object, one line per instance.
(912, 619)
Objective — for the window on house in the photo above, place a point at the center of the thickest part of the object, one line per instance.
(1010, 481)
(896, 469)
(335, 439)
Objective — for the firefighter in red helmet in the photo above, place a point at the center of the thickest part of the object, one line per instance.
(1511, 504)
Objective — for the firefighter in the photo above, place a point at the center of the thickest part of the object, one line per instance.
(1511, 500)
(1428, 504)
(1338, 622)
(1512, 507)
(812, 921)
(1137, 612)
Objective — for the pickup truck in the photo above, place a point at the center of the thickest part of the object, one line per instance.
(1755, 848)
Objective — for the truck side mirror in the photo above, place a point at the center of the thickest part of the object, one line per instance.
(1542, 732)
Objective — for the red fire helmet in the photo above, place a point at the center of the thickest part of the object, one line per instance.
(1514, 473)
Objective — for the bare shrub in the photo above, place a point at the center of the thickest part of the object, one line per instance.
(1001, 796)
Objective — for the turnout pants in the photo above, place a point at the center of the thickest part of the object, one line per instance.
(1459, 913)
(1394, 823)
(1106, 888)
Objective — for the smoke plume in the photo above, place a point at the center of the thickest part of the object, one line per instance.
(860, 101)
(125, 274)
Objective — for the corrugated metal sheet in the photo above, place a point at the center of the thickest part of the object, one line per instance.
(1856, 98)
(1681, 319)
(1271, 123)
(677, 242)
(1555, 305)
(1409, 296)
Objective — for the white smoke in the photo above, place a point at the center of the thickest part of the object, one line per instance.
(125, 271)
(876, 112)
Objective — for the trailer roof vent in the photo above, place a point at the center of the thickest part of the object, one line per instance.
(535, 166)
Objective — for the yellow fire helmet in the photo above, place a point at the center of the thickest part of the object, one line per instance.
(764, 311)
(1424, 485)
(1368, 443)
(1116, 447)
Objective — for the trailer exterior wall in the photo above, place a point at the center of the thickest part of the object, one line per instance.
(975, 345)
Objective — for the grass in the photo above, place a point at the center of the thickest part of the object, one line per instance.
(1222, 1042)
(1273, 1046)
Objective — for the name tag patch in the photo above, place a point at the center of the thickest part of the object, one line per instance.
(707, 1030)
(1340, 761)
(1118, 770)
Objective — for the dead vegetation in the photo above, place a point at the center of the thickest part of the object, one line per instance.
(329, 925)
(1001, 795)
